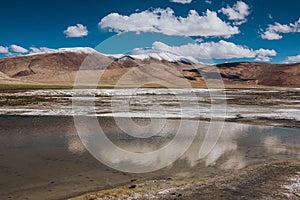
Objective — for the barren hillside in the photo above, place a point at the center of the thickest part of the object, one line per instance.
(61, 69)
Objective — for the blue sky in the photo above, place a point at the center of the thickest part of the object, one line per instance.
(244, 34)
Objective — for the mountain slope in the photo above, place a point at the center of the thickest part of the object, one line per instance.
(285, 75)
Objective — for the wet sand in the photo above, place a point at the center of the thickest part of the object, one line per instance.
(43, 158)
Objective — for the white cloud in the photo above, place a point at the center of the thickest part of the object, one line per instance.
(181, 1)
(76, 31)
(199, 40)
(264, 54)
(270, 35)
(35, 50)
(273, 31)
(18, 49)
(208, 1)
(238, 12)
(164, 21)
(4, 49)
(210, 50)
(293, 59)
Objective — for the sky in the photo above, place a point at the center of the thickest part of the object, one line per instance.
(224, 31)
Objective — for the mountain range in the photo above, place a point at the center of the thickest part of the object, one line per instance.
(60, 67)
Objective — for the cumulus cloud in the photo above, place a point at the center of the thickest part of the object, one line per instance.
(264, 54)
(293, 59)
(17, 49)
(76, 31)
(4, 49)
(273, 32)
(238, 12)
(164, 21)
(181, 1)
(208, 50)
(270, 35)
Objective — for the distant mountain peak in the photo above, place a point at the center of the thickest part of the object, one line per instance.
(85, 50)
(162, 55)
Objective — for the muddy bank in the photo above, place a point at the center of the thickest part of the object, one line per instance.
(267, 121)
(272, 180)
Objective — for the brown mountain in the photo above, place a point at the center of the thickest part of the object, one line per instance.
(282, 75)
(60, 68)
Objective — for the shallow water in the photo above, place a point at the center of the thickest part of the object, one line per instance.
(43, 158)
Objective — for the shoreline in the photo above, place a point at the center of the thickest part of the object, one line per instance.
(273, 122)
(48, 86)
(274, 180)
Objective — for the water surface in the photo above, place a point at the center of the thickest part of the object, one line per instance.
(43, 158)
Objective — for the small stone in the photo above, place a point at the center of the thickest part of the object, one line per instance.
(132, 187)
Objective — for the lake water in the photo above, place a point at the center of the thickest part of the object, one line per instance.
(42, 157)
